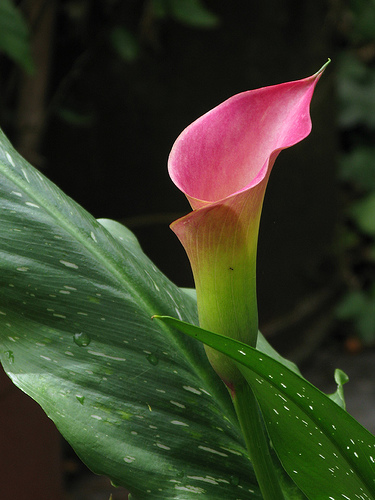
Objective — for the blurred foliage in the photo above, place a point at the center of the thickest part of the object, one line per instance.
(362, 213)
(356, 87)
(14, 35)
(130, 29)
(357, 168)
(190, 12)
(132, 35)
(356, 93)
(357, 307)
(85, 29)
(361, 15)
(125, 44)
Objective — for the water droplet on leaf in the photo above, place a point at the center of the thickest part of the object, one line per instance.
(81, 399)
(152, 359)
(94, 300)
(10, 356)
(81, 339)
(234, 480)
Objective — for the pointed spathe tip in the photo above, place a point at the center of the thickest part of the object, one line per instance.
(320, 72)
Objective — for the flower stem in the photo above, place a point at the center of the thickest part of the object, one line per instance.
(257, 442)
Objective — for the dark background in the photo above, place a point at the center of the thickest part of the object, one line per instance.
(94, 93)
(121, 80)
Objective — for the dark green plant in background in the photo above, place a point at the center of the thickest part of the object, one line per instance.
(14, 35)
(134, 36)
(79, 31)
(136, 33)
(131, 394)
(356, 94)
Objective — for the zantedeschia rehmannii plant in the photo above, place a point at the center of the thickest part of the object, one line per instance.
(137, 400)
(222, 163)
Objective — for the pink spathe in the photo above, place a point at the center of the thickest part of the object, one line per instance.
(228, 149)
(222, 163)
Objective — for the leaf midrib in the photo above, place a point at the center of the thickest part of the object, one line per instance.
(96, 251)
(93, 248)
(351, 463)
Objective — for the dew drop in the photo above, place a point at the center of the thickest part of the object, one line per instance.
(81, 399)
(10, 356)
(152, 359)
(234, 480)
(81, 339)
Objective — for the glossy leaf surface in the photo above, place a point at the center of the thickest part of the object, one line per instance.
(137, 401)
(327, 453)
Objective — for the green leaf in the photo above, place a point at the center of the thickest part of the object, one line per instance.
(355, 86)
(362, 21)
(137, 401)
(159, 8)
(351, 305)
(190, 12)
(14, 35)
(193, 13)
(124, 43)
(358, 168)
(262, 344)
(341, 379)
(74, 117)
(327, 453)
(358, 307)
(363, 213)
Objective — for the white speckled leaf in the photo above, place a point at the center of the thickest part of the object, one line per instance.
(137, 400)
(326, 452)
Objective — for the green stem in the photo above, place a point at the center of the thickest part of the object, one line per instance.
(257, 442)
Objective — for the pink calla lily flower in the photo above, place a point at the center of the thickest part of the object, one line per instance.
(222, 163)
